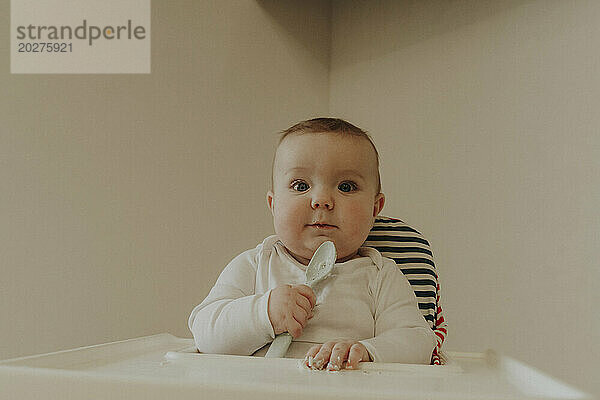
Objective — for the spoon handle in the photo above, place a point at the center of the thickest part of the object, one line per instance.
(281, 343)
(279, 346)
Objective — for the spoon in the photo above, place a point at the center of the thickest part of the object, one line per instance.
(320, 266)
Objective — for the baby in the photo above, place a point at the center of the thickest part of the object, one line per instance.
(325, 186)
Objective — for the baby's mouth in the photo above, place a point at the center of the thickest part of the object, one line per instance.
(319, 225)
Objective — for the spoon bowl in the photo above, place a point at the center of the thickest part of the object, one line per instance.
(321, 264)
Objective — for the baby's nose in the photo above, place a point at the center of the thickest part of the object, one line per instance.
(322, 203)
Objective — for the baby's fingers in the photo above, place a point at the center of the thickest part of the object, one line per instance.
(313, 350)
(310, 356)
(357, 354)
(301, 316)
(294, 327)
(321, 357)
(303, 302)
(308, 293)
(339, 354)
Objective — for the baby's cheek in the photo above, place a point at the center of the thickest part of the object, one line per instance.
(286, 217)
(361, 219)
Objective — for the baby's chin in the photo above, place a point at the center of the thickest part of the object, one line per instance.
(304, 254)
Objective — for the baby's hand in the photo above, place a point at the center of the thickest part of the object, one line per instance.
(333, 354)
(290, 308)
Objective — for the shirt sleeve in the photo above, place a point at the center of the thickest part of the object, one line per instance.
(401, 332)
(233, 319)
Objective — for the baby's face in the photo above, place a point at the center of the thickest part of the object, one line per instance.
(325, 187)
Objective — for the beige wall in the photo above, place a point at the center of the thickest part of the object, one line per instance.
(123, 196)
(486, 117)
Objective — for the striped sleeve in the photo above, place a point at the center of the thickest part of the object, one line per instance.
(412, 253)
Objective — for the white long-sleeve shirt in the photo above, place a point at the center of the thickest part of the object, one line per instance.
(366, 299)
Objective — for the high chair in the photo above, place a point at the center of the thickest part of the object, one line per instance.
(411, 251)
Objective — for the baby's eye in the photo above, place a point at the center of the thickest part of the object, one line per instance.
(347, 186)
(300, 186)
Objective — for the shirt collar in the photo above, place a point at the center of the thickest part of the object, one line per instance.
(364, 251)
(373, 254)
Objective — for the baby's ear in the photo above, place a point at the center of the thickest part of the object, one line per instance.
(378, 205)
(270, 202)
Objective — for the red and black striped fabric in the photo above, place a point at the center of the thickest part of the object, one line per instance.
(411, 252)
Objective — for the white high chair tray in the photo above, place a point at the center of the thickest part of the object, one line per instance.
(164, 366)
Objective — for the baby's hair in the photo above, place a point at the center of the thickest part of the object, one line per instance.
(330, 125)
